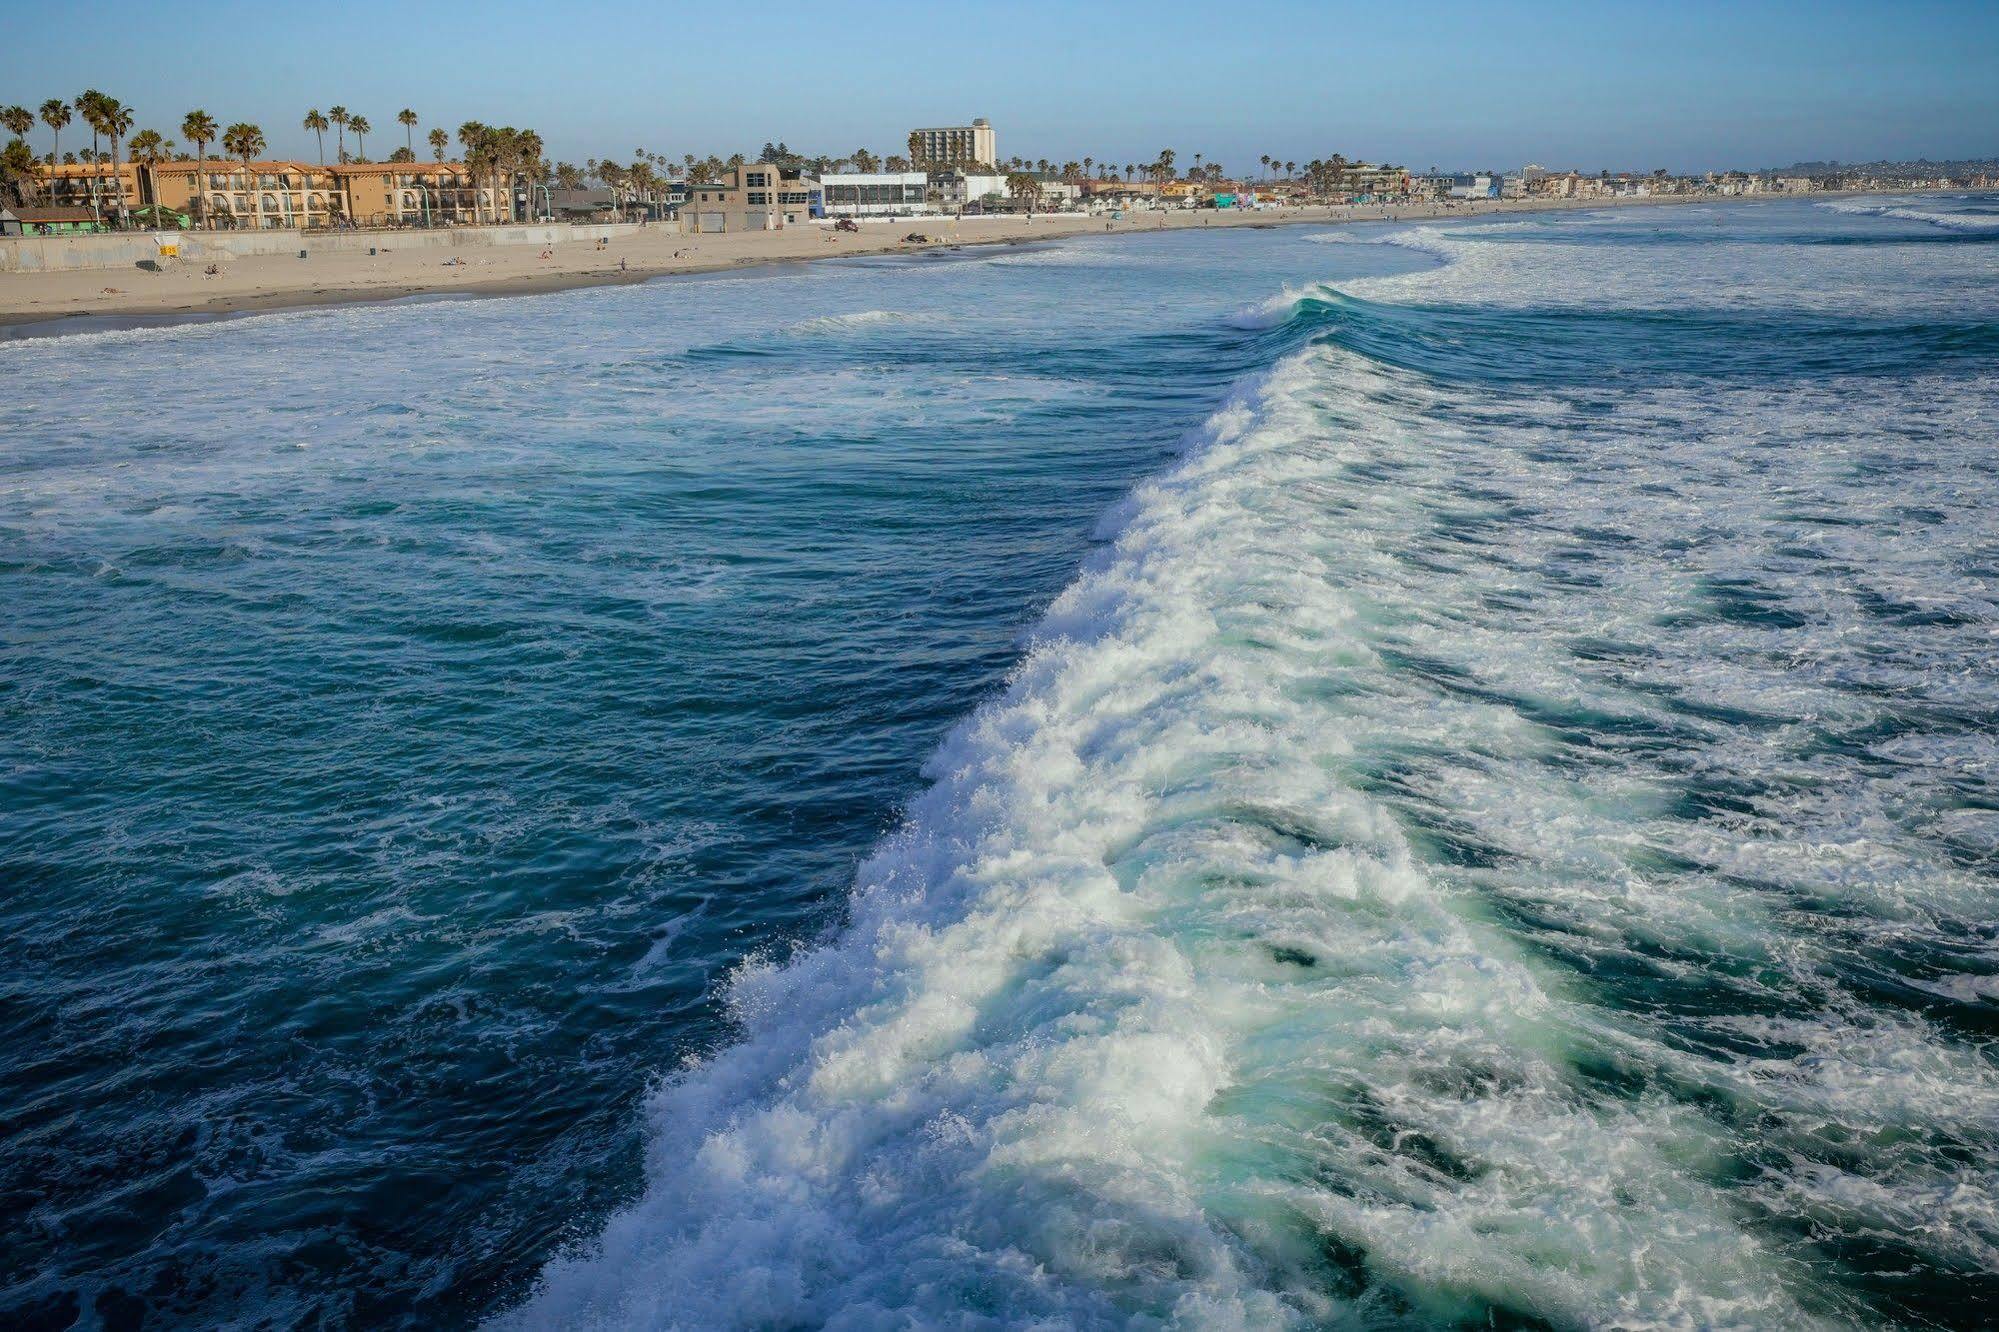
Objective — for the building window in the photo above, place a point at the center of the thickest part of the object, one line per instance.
(759, 197)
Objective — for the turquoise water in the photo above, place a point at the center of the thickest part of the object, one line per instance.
(620, 808)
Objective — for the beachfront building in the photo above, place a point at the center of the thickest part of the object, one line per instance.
(431, 194)
(877, 193)
(275, 194)
(92, 185)
(1121, 195)
(1367, 178)
(67, 220)
(1059, 195)
(253, 196)
(959, 191)
(755, 197)
(955, 145)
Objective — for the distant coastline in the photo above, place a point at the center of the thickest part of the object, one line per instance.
(34, 305)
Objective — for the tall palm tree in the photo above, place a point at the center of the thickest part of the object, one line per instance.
(1290, 169)
(360, 126)
(198, 128)
(19, 120)
(117, 124)
(338, 115)
(149, 149)
(246, 141)
(439, 140)
(89, 106)
(407, 119)
(55, 114)
(472, 138)
(317, 124)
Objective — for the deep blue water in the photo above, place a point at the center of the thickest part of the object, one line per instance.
(1503, 828)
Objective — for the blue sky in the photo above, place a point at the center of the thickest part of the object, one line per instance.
(1682, 85)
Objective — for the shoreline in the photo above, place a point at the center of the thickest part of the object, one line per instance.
(39, 305)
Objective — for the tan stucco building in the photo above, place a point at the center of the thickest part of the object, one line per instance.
(755, 197)
(953, 144)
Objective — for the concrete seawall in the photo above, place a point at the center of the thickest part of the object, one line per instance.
(49, 254)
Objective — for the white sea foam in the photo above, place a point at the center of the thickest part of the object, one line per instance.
(1269, 928)
(1935, 212)
(863, 319)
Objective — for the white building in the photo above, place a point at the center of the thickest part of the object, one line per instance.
(956, 191)
(1059, 194)
(876, 193)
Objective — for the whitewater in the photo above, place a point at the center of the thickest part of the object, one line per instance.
(1504, 828)
(1325, 777)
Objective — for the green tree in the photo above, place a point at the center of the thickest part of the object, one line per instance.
(89, 106)
(118, 124)
(150, 148)
(407, 119)
(55, 114)
(338, 115)
(17, 169)
(245, 141)
(317, 123)
(472, 141)
(439, 141)
(360, 126)
(198, 127)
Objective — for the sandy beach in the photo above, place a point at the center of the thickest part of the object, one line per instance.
(33, 303)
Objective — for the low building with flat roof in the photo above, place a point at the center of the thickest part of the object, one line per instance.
(877, 193)
(957, 191)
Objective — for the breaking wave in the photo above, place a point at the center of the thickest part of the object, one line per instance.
(1472, 846)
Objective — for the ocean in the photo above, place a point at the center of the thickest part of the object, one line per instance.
(1385, 776)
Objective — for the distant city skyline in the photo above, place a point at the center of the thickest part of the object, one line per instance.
(1456, 85)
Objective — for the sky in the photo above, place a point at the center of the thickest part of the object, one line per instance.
(1685, 85)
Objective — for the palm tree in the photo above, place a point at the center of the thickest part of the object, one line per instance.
(246, 141)
(55, 114)
(149, 149)
(439, 140)
(472, 138)
(360, 126)
(17, 170)
(407, 119)
(1290, 169)
(117, 124)
(18, 119)
(198, 128)
(89, 106)
(317, 124)
(338, 115)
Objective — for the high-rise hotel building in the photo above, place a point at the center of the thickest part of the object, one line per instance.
(955, 143)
